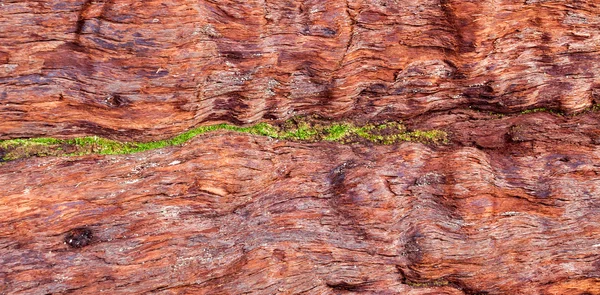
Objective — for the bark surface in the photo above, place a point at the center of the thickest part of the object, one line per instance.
(230, 213)
(144, 70)
(510, 206)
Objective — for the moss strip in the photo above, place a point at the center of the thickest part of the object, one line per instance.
(299, 130)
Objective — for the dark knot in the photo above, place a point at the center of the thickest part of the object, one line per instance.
(79, 237)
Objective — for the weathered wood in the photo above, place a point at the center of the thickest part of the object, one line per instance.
(230, 213)
(510, 206)
(144, 70)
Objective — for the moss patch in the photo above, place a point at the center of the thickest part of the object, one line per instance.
(311, 129)
(428, 284)
(542, 110)
(297, 129)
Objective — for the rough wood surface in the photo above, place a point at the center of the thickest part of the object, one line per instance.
(151, 69)
(510, 206)
(229, 213)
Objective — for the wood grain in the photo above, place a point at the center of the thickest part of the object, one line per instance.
(230, 213)
(128, 69)
(510, 206)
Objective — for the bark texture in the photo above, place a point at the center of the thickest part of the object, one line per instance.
(229, 213)
(151, 69)
(510, 206)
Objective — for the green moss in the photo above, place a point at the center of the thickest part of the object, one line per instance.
(542, 110)
(433, 136)
(536, 110)
(28, 142)
(302, 132)
(337, 132)
(263, 129)
(297, 129)
(394, 132)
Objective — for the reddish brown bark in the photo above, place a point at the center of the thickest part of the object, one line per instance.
(510, 206)
(151, 69)
(233, 213)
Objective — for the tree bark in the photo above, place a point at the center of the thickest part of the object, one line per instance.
(510, 206)
(115, 68)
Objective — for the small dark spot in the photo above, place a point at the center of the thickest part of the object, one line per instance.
(270, 116)
(234, 55)
(546, 37)
(329, 32)
(79, 237)
(467, 46)
(115, 100)
(305, 31)
(458, 76)
(397, 74)
(338, 175)
(79, 27)
(318, 31)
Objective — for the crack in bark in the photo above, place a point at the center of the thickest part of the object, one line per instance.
(82, 17)
(351, 37)
(81, 21)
